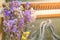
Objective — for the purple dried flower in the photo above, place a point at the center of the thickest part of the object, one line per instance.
(11, 5)
(18, 35)
(5, 23)
(4, 29)
(17, 3)
(14, 4)
(27, 12)
(21, 22)
(6, 13)
(10, 22)
(13, 29)
(27, 4)
(27, 15)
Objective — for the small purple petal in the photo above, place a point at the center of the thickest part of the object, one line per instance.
(18, 35)
(27, 15)
(14, 29)
(14, 4)
(27, 4)
(21, 22)
(26, 12)
(6, 13)
(11, 22)
(4, 29)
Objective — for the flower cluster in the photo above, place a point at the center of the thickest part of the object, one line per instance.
(14, 4)
(13, 25)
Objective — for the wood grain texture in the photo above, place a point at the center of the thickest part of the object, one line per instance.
(48, 16)
(44, 6)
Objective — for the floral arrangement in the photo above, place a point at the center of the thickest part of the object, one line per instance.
(15, 20)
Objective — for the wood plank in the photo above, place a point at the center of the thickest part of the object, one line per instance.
(44, 6)
(48, 16)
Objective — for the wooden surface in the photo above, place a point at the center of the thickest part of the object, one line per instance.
(48, 16)
(44, 6)
(1, 27)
